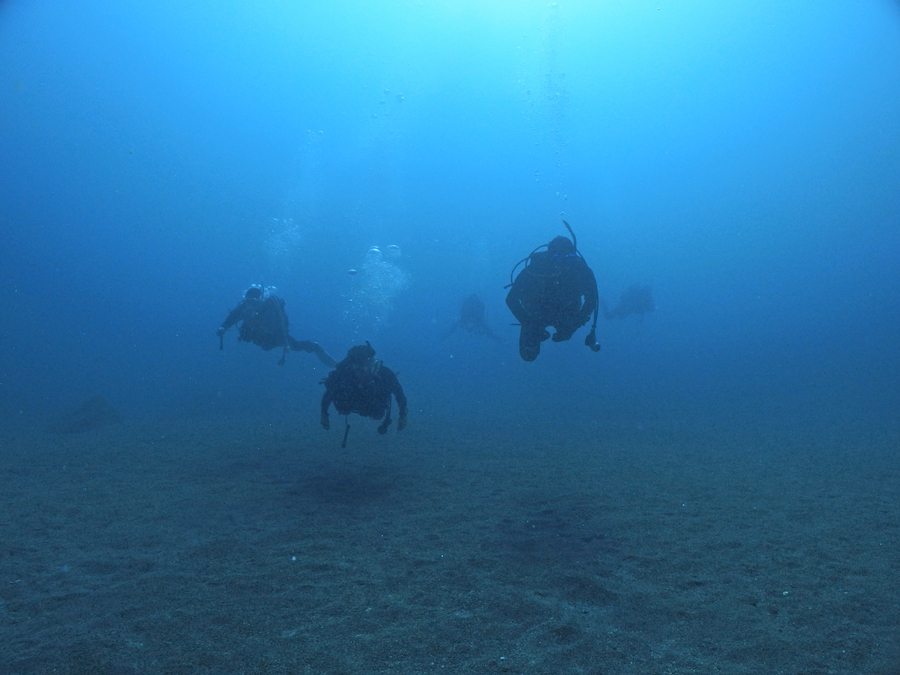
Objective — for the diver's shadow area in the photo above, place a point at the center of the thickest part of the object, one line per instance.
(350, 487)
(560, 553)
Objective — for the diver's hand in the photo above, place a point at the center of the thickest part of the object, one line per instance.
(220, 331)
(382, 428)
(323, 420)
(591, 341)
(401, 423)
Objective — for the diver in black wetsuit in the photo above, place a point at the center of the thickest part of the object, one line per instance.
(265, 323)
(555, 288)
(361, 384)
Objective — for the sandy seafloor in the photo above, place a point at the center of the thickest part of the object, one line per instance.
(229, 546)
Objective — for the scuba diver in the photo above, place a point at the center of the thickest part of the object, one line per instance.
(637, 299)
(361, 384)
(555, 288)
(264, 323)
(471, 317)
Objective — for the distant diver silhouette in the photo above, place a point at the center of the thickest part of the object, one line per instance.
(471, 317)
(264, 322)
(636, 299)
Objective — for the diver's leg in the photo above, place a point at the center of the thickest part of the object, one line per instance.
(564, 333)
(314, 347)
(301, 345)
(324, 356)
(566, 327)
(530, 338)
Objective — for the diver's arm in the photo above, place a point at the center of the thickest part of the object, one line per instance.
(591, 297)
(233, 317)
(383, 427)
(401, 398)
(591, 303)
(397, 391)
(326, 401)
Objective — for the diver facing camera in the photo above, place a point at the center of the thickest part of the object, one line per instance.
(361, 384)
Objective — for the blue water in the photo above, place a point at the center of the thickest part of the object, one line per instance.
(743, 159)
